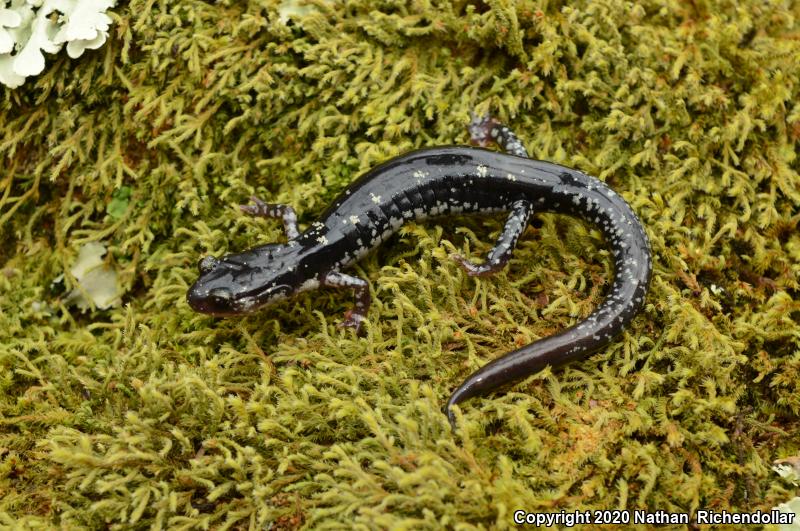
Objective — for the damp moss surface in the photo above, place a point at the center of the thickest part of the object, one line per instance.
(148, 415)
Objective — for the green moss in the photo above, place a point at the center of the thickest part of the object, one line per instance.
(150, 415)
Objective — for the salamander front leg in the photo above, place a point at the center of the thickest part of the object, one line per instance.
(500, 254)
(358, 313)
(272, 210)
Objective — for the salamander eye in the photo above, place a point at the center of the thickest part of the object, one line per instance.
(207, 264)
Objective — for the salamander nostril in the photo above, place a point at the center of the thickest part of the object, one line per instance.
(208, 263)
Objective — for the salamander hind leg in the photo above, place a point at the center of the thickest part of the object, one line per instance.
(272, 210)
(357, 314)
(501, 253)
(484, 130)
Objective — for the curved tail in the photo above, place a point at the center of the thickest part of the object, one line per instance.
(589, 198)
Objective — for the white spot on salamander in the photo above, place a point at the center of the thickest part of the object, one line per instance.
(354, 220)
(482, 170)
(323, 240)
(246, 304)
(419, 174)
(375, 198)
(311, 283)
(511, 177)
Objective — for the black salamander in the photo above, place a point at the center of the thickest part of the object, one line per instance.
(438, 182)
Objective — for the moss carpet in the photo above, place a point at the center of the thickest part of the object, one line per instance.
(147, 415)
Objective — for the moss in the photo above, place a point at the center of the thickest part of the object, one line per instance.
(149, 415)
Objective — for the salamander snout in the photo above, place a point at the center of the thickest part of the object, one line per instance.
(216, 301)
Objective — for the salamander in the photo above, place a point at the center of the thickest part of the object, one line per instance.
(437, 182)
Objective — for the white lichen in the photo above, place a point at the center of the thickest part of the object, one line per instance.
(97, 281)
(789, 470)
(9, 20)
(790, 507)
(86, 27)
(295, 10)
(28, 28)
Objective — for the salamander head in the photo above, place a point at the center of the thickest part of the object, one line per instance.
(243, 282)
